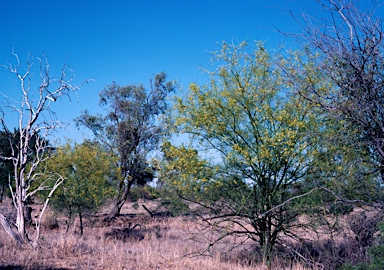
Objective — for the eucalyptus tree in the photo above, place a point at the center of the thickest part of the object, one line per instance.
(132, 127)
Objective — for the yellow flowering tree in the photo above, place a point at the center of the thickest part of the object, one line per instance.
(89, 173)
(252, 132)
(182, 172)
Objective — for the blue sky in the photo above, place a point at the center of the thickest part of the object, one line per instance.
(130, 41)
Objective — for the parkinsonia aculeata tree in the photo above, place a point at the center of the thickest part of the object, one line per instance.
(251, 132)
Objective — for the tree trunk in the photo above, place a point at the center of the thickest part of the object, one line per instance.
(2, 192)
(382, 170)
(20, 221)
(119, 201)
(81, 223)
(265, 240)
(20, 235)
(116, 206)
(266, 254)
(4, 222)
(115, 210)
(28, 215)
(69, 221)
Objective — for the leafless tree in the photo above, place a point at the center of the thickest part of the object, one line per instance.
(346, 48)
(35, 120)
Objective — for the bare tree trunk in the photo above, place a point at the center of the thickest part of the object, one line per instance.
(4, 222)
(20, 221)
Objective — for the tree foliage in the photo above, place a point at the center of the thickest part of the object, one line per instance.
(132, 128)
(89, 173)
(251, 132)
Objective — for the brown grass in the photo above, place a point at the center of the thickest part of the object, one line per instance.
(155, 243)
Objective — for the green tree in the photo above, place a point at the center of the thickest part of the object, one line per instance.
(183, 172)
(132, 128)
(89, 173)
(251, 131)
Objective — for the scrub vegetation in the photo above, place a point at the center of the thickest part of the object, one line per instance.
(279, 162)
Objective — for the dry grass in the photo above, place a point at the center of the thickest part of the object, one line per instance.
(157, 243)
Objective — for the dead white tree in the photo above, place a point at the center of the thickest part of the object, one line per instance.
(36, 121)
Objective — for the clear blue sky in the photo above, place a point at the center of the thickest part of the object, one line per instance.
(130, 41)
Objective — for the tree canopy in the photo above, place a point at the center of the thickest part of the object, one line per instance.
(132, 128)
(89, 172)
(252, 130)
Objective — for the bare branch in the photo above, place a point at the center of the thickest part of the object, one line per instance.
(4, 222)
(29, 148)
(58, 182)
